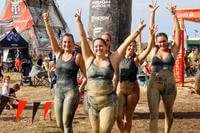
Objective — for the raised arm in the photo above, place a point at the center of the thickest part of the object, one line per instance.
(120, 52)
(86, 51)
(81, 64)
(54, 44)
(177, 39)
(152, 30)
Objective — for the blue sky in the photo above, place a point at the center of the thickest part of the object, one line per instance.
(139, 10)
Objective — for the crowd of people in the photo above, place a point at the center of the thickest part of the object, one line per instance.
(112, 87)
(110, 77)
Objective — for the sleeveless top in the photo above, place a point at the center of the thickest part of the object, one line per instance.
(99, 79)
(128, 70)
(166, 64)
(66, 72)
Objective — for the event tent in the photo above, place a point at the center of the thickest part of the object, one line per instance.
(189, 14)
(12, 40)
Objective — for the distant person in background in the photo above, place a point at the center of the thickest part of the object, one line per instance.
(18, 54)
(106, 36)
(6, 86)
(50, 56)
(13, 102)
(37, 70)
(18, 59)
(1, 67)
(146, 68)
(18, 64)
(197, 79)
(52, 76)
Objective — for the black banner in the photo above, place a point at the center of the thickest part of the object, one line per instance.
(113, 16)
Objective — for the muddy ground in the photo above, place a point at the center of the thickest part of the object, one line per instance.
(186, 113)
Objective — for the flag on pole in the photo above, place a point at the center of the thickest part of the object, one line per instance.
(35, 108)
(21, 105)
(47, 106)
(7, 14)
(17, 12)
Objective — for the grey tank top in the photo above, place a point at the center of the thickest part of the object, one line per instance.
(99, 79)
(167, 64)
(66, 72)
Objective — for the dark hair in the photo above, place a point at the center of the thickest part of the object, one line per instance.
(135, 41)
(39, 62)
(16, 87)
(68, 35)
(98, 39)
(162, 34)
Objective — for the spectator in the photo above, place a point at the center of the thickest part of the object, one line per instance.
(6, 86)
(37, 70)
(13, 102)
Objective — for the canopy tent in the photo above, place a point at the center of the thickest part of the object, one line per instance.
(13, 40)
(192, 15)
(26, 17)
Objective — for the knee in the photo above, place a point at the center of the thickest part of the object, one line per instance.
(154, 116)
(60, 124)
(169, 115)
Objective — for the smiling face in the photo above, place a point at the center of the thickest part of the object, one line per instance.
(99, 46)
(131, 48)
(162, 41)
(68, 43)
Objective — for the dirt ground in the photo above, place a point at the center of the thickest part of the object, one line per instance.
(186, 113)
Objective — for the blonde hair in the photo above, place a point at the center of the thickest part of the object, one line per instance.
(6, 77)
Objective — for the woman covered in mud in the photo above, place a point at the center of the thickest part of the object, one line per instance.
(128, 89)
(68, 63)
(162, 82)
(100, 70)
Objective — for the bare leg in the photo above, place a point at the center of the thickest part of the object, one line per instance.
(121, 111)
(107, 118)
(132, 101)
(153, 96)
(69, 108)
(58, 107)
(168, 102)
(94, 120)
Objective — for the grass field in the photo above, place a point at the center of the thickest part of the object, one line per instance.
(186, 113)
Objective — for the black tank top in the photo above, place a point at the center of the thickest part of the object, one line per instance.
(128, 70)
(167, 64)
(66, 72)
